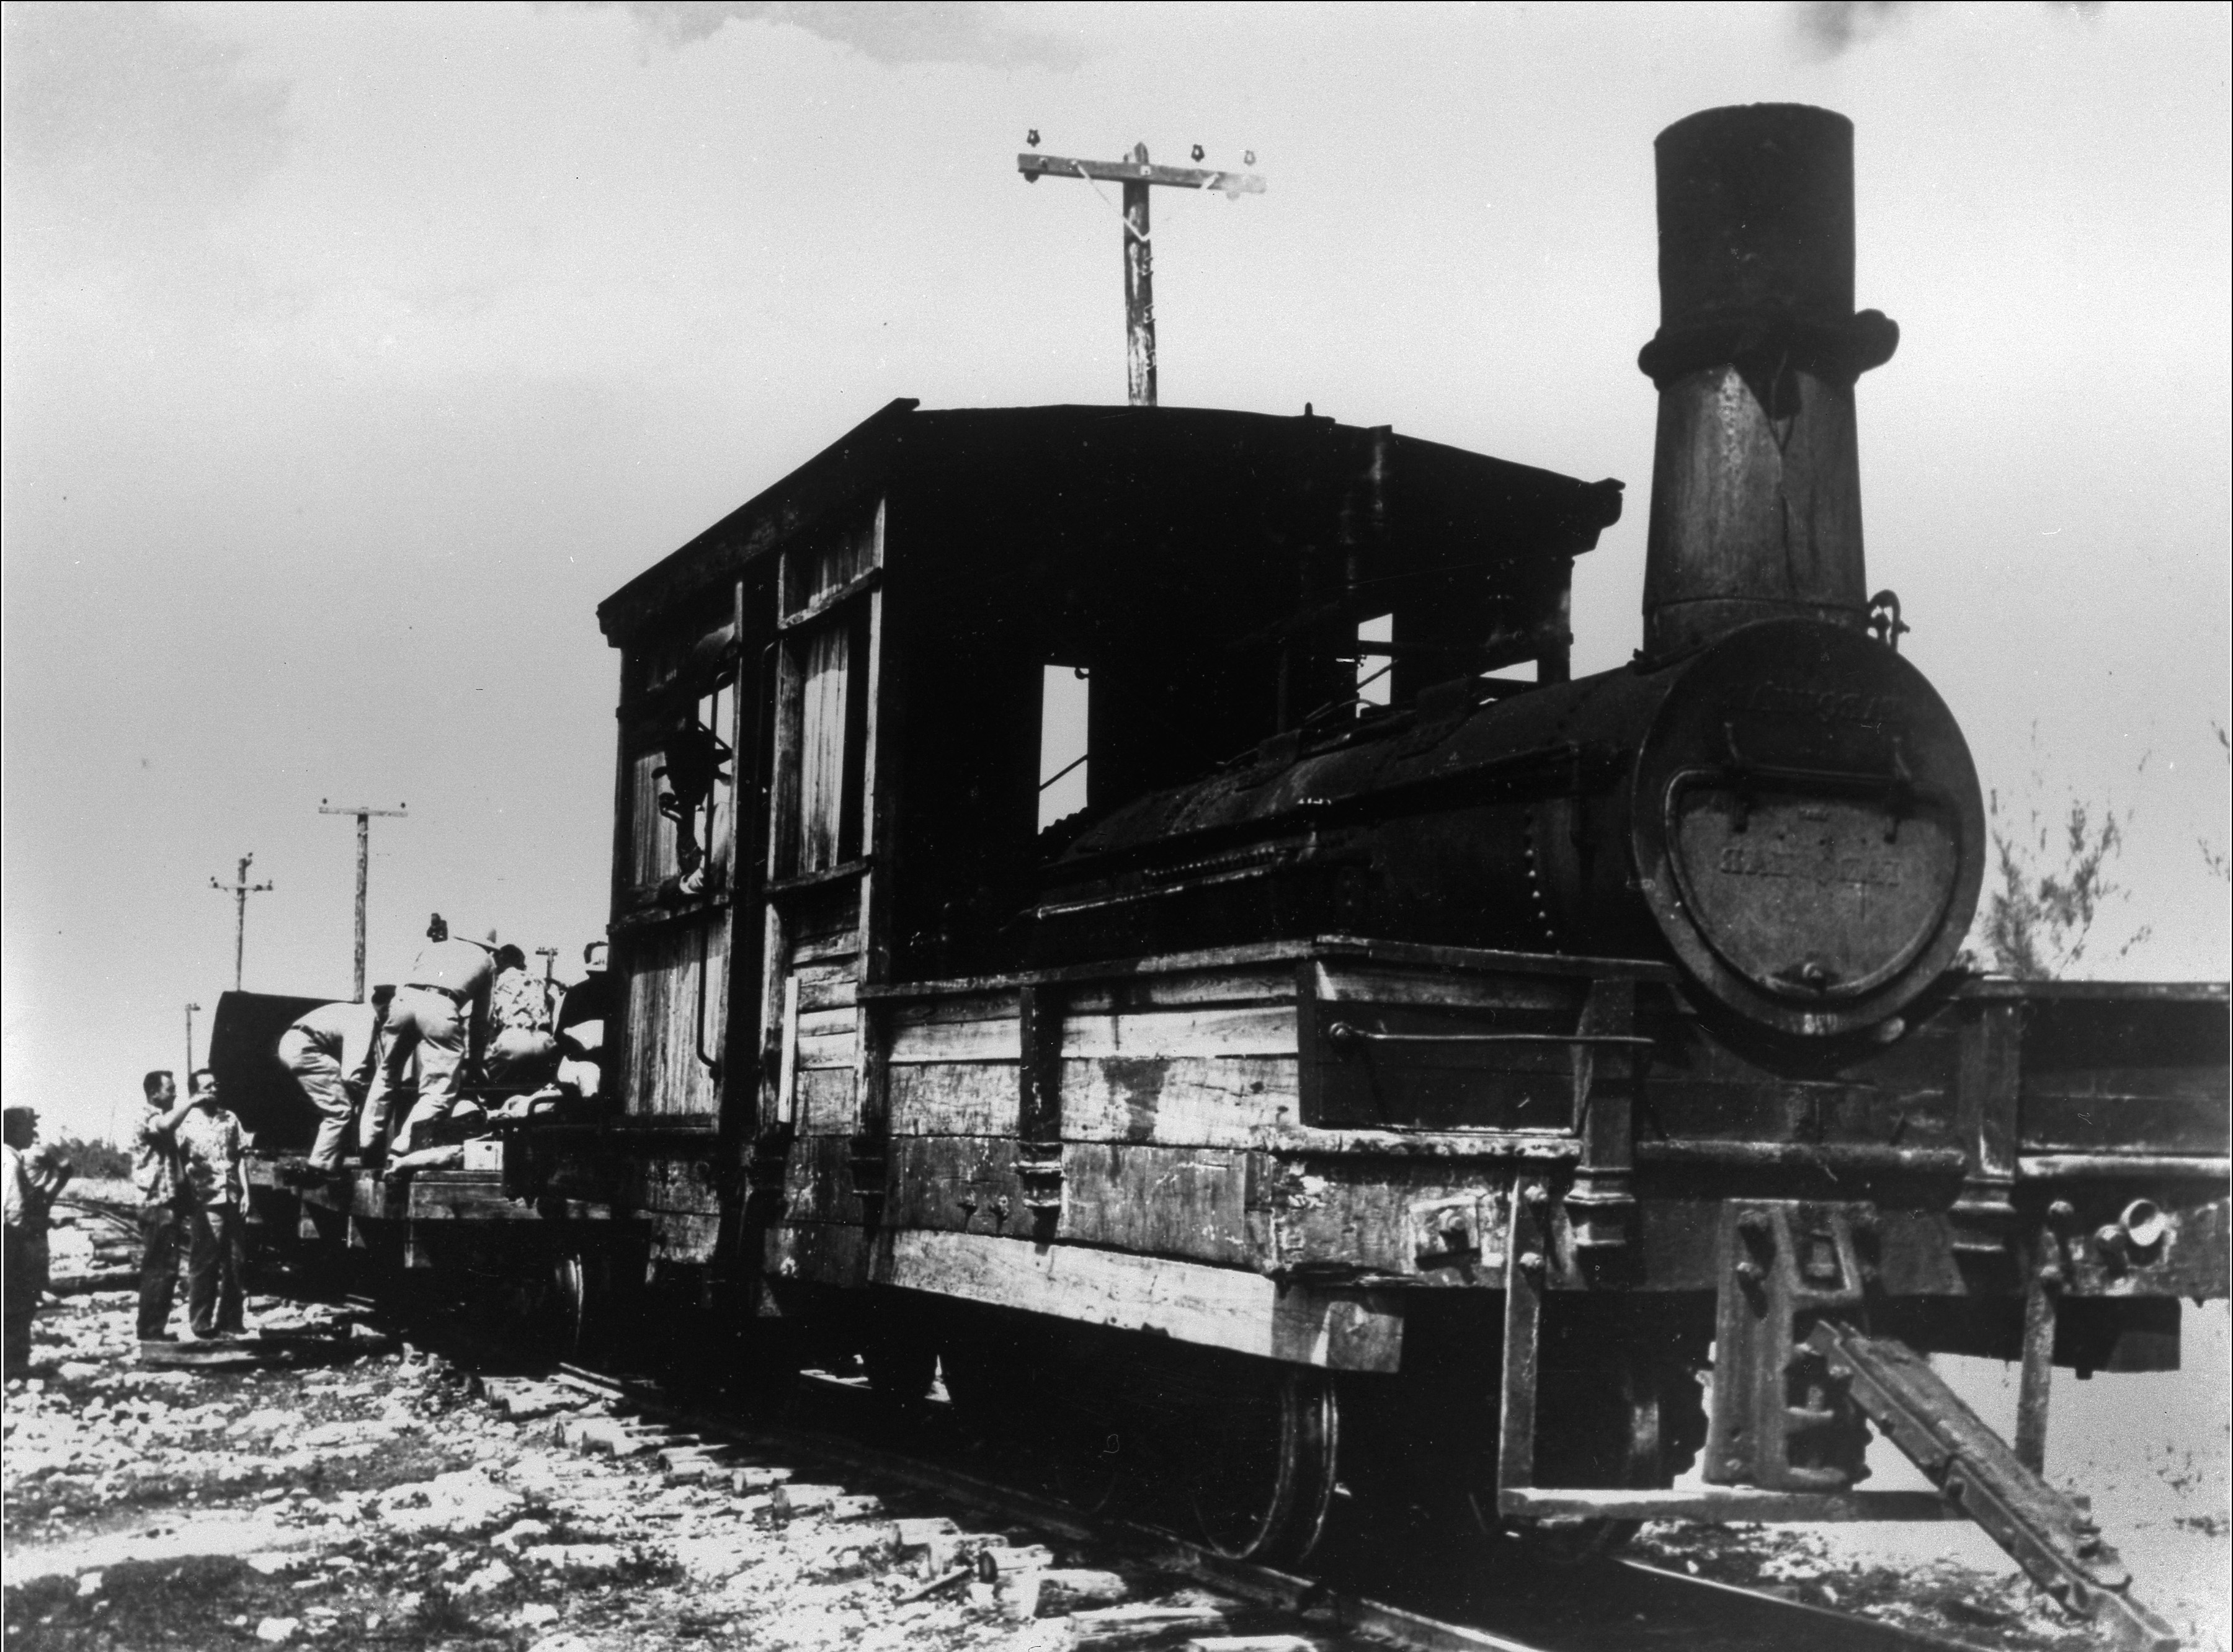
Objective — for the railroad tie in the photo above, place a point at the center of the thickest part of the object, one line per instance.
(1115, 1626)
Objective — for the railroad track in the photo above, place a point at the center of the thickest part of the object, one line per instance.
(1614, 1606)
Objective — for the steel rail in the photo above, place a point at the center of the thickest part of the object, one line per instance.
(1259, 1586)
(1324, 1606)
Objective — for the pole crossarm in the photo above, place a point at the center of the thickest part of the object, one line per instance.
(1140, 172)
(364, 812)
(240, 888)
(1138, 177)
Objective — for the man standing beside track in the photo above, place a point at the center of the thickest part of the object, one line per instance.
(441, 1015)
(331, 1052)
(36, 1177)
(211, 1165)
(155, 1171)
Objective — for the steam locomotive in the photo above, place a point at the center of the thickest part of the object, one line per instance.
(1415, 1069)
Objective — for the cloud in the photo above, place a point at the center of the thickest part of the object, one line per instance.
(887, 31)
(134, 99)
(1832, 27)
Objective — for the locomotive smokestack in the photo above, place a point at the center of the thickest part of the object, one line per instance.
(1756, 479)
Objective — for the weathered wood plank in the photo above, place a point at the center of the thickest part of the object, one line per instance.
(823, 1253)
(959, 1183)
(1229, 1101)
(1175, 991)
(828, 986)
(829, 1103)
(832, 1050)
(828, 562)
(1344, 982)
(786, 1096)
(1189, 1202)
(1213, 1307)
(959, 1006)
(1439, 1221)
(818, 1181)
(818, 948)
(819, 1023)
(826, 669)
(667, 1024)
(461, 1201)
(1167, 1034)
(958, 1041)
(955, 1098)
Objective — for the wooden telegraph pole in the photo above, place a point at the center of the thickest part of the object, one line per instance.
(364, 812)
(240, 888)
(1138, 177)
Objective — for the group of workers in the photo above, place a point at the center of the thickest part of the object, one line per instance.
(188, 1165)
(468, 1016)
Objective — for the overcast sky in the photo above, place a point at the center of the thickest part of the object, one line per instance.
(353, 353)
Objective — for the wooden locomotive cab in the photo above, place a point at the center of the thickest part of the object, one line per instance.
(868, 641)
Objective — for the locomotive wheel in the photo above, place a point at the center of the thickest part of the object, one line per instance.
(581, 1301)
(574, 1290)
(1262, 1474)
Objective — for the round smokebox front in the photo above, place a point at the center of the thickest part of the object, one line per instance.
(1808, 828)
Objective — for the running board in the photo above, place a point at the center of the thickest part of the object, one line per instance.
(2057, 1544)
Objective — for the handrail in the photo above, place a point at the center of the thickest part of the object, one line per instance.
(1348, 1032)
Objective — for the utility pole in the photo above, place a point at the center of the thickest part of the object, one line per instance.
(189, 1073)
(240, 888)
(1138, 177)
(364, 812)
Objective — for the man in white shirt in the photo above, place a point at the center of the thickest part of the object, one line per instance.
(213, 1167)
(440, 1015)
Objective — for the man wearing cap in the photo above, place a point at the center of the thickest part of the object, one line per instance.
(581, 1018)
(331, 1050)
(157, 1172)
(439, 1015)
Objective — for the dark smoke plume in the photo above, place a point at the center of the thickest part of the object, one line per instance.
(1832, 27)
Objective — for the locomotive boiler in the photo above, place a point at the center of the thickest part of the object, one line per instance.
(1415, 1072)
(1763, 795)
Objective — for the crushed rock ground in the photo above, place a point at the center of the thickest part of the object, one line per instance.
(380, 1503)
